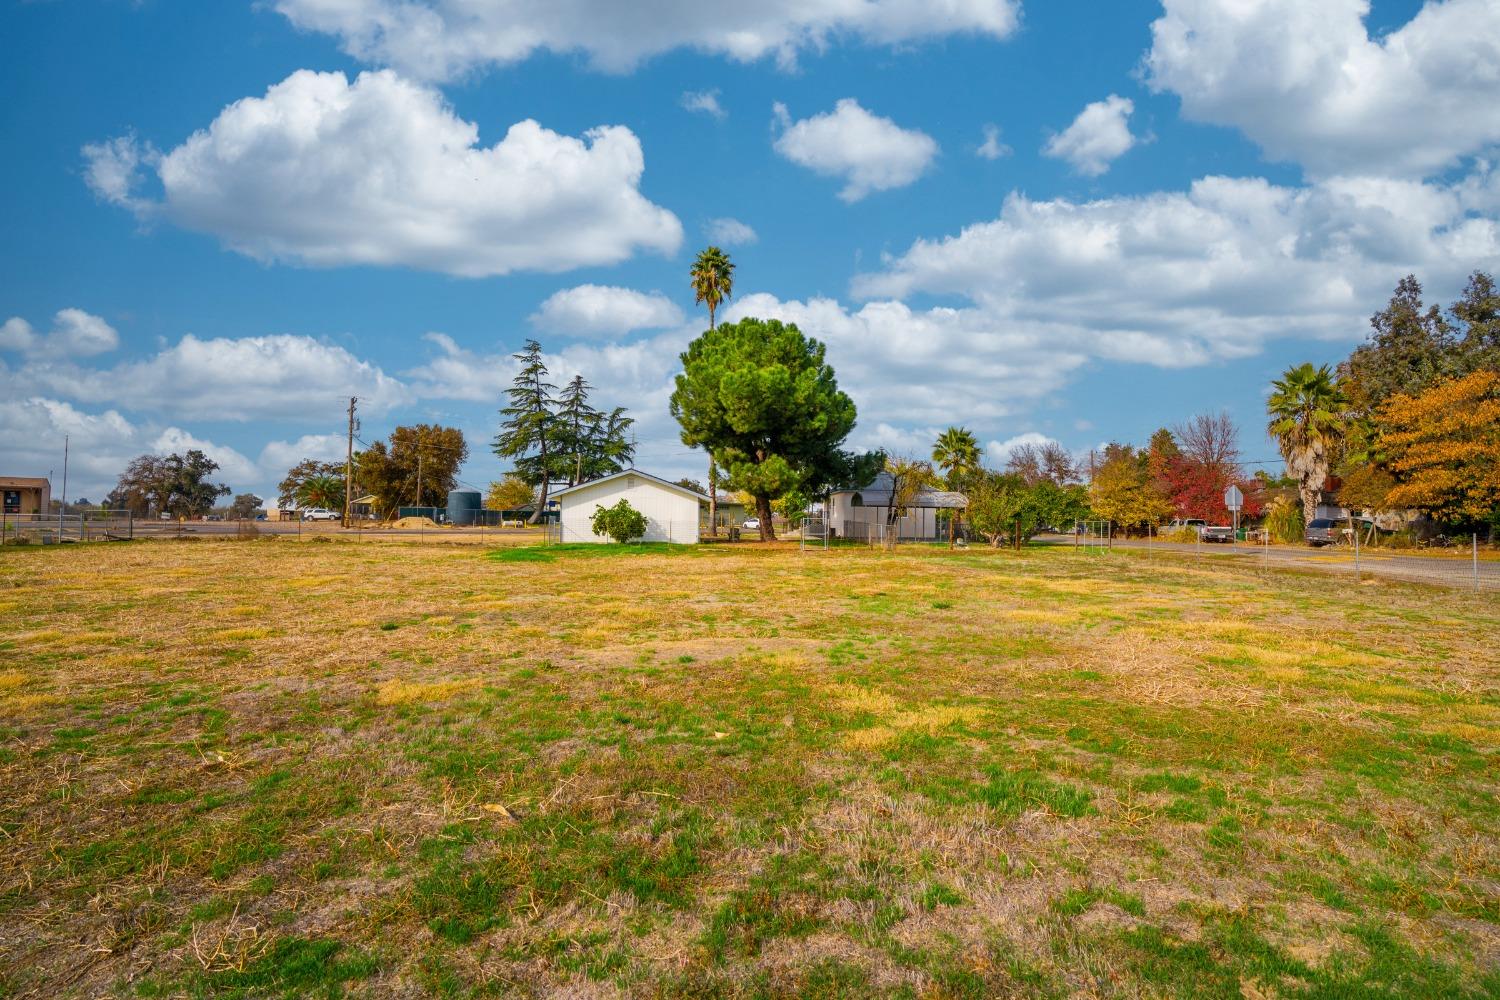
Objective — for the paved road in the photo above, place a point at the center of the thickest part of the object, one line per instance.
(1449, 569)
(219, 529)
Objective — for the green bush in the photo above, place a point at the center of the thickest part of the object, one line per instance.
(621, 522)
(1284, 521)
(1403, 539)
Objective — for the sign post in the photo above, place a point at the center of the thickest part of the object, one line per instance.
(1234, 500)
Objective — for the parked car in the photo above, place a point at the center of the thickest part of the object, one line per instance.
(751, 524)
(1196, 523)
(1217, 533)
(1323, 531)
(320, 514)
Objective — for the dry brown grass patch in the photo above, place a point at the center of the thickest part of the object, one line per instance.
(404, 692)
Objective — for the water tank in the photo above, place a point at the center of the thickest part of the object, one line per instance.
(463, 507)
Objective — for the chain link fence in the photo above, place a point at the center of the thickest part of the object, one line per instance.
(50, 529)
(1466, 564)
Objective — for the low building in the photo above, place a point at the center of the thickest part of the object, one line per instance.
(25, 495)
(672, 511)
(865, 513)
(364, 507)
(731, 510)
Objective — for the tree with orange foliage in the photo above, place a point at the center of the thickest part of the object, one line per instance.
(1443, 447)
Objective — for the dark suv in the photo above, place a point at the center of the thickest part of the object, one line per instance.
(1323, 531)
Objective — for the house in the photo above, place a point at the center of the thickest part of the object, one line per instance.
(363, 507)
(25, 495)
(731, 510)
(862, 513)
(672, 511)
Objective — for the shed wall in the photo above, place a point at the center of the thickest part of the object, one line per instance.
(670, 516)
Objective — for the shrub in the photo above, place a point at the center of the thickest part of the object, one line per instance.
(1284, 520)
(621, 522)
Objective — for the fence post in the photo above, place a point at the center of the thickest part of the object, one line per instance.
(1356, 555)
(1475, 541)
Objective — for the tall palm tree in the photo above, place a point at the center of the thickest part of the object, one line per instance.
(712, 278)
(1306, 408)
(956, 452)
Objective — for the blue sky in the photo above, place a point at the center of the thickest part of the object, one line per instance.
(1176, 201)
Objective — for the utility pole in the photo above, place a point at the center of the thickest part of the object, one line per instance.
(63, 506)
(419, 472)
(349, 466)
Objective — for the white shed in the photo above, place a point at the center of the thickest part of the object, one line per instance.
(671, 510)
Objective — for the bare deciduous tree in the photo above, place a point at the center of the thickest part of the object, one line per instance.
(1046, 462)
(1212, 442)
(1058, 464)
(1025, 461)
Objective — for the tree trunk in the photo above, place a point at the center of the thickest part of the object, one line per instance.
(713, 498)
(1310, 497)
(541, 503)
(763, 511)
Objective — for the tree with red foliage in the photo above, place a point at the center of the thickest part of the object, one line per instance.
(1197, 463)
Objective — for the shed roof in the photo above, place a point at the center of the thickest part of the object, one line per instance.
(25, 482)
(877, 493)
(653, 480)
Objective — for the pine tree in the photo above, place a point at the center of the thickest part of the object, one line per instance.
(529, 424)
(579, 423)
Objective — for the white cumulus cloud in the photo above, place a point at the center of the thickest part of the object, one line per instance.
(997, 453)
(992, 148)
(1098, 136)
(278, 377)
(325, 172)
(903, 366)
(727, 232)
(442, 39)
(74, 333)
(605, 311)
(704, 102)
(278, 456)
(1214, 272)
(234, 467)
(868, 152)
(1308, 84)
(101, 445)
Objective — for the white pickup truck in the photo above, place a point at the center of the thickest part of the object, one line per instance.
(1206, 532)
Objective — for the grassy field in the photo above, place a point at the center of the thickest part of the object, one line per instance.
(266, 768)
